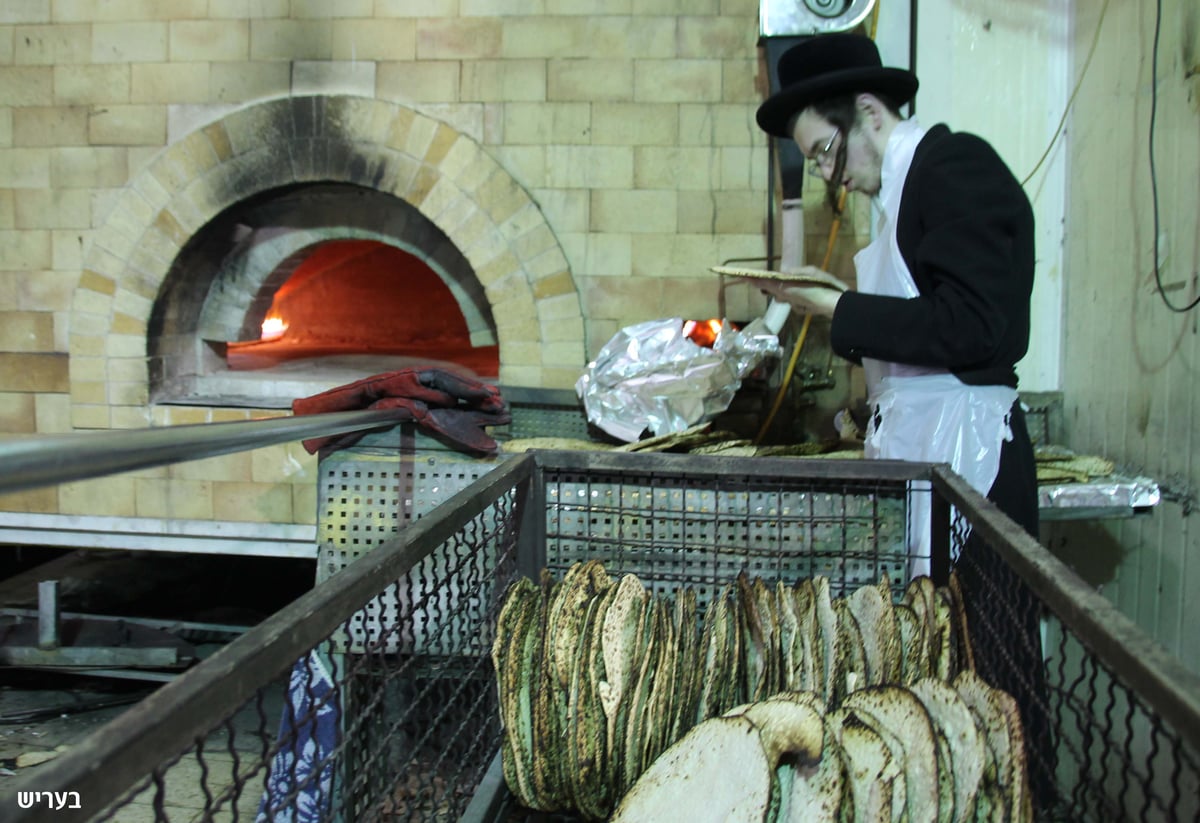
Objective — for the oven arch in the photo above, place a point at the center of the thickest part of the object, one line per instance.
(445, 174)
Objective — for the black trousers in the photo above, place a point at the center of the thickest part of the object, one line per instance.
(1004, 617)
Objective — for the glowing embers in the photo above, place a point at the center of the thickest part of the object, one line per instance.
(355, 298)
(704, 332)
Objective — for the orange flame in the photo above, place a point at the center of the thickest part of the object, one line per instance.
(702, 332)
(273, 327)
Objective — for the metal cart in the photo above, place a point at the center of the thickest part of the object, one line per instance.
(372, 697)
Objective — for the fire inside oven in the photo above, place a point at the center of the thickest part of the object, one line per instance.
(363, 297)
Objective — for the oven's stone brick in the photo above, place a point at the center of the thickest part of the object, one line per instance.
(90, 84)
(23, 250)
(17, 413)
(114, 496)
(681, 169)
(589, 167)
(676, 81)
(253, 502)
(418, 82)
(169, 82)
(738, 212)
(27, 86)
(504, 81)
(636, 124)
(43, 290)
(24, 168)
(88, 167)
(209, 40)
(128, 394)
(547, 123)
(26, 331)
(44, 44)
(237, 82)
(90, 416)
(52, 413)
(43, 500)
(184, 499)
(634, 211)
(34, 371)
(591, 80)
(278, 39)
(367, 39)
(130, 42)
(462, 38)
(129, 417)
(48, 209)
(50, 126)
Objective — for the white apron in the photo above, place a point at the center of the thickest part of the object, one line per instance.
(920, 413)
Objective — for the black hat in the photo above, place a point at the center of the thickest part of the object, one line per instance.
(827, 65)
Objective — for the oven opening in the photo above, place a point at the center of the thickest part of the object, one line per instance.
(357, 300)
(310, 286)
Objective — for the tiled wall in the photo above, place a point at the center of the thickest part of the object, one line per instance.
(618, 137)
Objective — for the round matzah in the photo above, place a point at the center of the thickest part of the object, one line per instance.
(806, 279)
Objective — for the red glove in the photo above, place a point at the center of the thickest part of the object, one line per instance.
(433, 387)
(465, 427)
(428, 397)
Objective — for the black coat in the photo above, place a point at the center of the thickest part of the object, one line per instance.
(965, 229)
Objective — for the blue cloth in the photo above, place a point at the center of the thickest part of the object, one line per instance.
(299, 787)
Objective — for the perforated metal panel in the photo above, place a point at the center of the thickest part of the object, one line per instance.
(368, 492)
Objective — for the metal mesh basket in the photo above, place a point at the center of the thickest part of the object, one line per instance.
(355, 704)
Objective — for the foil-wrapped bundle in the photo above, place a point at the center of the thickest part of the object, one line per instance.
(651, 376)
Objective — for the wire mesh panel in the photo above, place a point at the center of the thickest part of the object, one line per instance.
(368, 493)
(678, 520)
(1097, 749)
(399, 725)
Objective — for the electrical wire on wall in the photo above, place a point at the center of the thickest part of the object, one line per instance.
(1062, 121)
(1153, 122)
(1154, 171)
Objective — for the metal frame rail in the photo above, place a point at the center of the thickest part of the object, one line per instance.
(1112, 720)
(168, 722)
(1172, 690)
(104, 767)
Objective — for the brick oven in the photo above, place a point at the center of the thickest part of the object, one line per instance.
(194, 252)
(309, 286)
(197, 245)
(550, 175)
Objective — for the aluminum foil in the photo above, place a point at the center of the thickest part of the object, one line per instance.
(1115, 492)
(650, 376)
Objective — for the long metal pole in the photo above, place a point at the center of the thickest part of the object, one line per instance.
(60, 458)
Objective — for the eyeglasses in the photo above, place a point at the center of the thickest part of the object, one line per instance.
(823, 155)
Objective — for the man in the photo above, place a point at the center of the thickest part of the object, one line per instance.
(940, 316)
